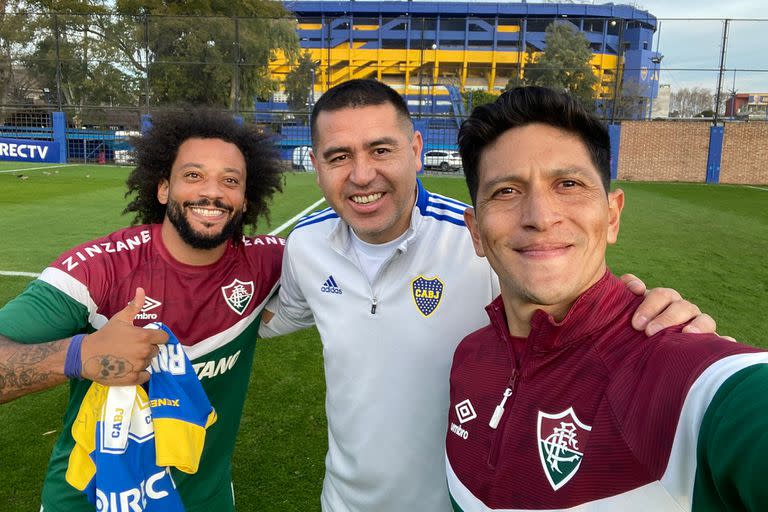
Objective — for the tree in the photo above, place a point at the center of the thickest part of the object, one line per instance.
(632, 102)
(217, 53)
(299, 82)
(14, 32)
(202, 52)
(70, 43)
(691, 102)
(476, 98)
(564, 65)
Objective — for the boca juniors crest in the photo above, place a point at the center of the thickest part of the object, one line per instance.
(238, 295)
(561, 439)
(427, 294)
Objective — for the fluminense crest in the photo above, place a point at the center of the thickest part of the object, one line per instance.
(561, 439)
(238, 295)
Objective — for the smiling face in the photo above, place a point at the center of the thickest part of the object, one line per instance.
(366, 160)
(542, 219)
(205, 195)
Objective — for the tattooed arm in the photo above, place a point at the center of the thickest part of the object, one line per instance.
(29, 368)
(115, 355)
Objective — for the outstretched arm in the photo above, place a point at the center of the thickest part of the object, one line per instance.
(29, 368)
(288, 311)
(732, 446)
(665, 307)
(117, 354)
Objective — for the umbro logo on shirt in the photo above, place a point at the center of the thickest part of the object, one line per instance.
(149, 304)
(330, 286)
(464, 412)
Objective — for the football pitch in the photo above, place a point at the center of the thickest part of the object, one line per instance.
(708, 242)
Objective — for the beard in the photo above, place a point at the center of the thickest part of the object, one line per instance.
(195, 239)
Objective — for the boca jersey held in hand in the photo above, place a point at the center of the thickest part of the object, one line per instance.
(126, 439)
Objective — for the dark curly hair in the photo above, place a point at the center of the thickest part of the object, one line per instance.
(157, 148)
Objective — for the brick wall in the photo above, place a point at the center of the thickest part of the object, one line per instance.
(745, 153)
(663, 151)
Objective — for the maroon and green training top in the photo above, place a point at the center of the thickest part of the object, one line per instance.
(214, 311)
(589, 414)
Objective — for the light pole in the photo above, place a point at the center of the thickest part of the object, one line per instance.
(433, 80)
(311, 98)
(421, 68)
(656, 59)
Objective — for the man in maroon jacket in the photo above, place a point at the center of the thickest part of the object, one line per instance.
(559, 403)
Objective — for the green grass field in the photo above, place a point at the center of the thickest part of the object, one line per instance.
(709, 242)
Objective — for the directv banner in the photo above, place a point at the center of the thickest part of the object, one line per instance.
(20, 150)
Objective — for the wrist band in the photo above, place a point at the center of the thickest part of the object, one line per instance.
(73, 365)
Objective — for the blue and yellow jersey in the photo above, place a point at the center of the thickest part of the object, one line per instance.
(126, 439)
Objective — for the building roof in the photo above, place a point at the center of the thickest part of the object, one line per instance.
(507, 9)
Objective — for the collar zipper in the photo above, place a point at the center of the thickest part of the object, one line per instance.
(497, 437)
(499, 410)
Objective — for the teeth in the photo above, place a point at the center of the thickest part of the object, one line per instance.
(206, 213)
(367, 199)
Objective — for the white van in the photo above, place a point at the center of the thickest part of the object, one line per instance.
(301, 160)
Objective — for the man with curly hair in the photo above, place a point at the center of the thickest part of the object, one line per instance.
(200, 177)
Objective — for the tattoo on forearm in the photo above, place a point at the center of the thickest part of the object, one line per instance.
(33, 354)
(14, 379)
(108, 366)
(19, 373)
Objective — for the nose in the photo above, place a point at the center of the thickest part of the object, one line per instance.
(539, 209)
(211, 188)
(363, 171)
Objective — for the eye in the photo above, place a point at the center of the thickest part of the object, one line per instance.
(231, 181)
(382, 151)
(191, 175)
(504, 192)
(569, 183)
(337, 159)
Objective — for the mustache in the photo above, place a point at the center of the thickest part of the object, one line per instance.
(207, 202)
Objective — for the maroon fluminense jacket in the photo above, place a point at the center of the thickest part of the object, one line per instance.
(592, 412)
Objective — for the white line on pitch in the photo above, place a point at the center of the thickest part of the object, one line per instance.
(299, 215)
(35, 168)
(276, 231)
(757, 188)
(17, 274)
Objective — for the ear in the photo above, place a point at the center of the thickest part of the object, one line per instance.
(417, 144)
(471, 221)
(615, 205)
(313, 159)
(162, 191)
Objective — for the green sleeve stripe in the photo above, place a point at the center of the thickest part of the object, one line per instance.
(42, 313)
(732, 454)
(76, 290)
(679, 476)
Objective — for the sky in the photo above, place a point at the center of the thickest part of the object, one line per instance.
(690, 37)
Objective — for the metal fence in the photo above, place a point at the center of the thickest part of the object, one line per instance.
(105, 70)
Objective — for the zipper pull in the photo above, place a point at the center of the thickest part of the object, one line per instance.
(499, 410)
(373, 306)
